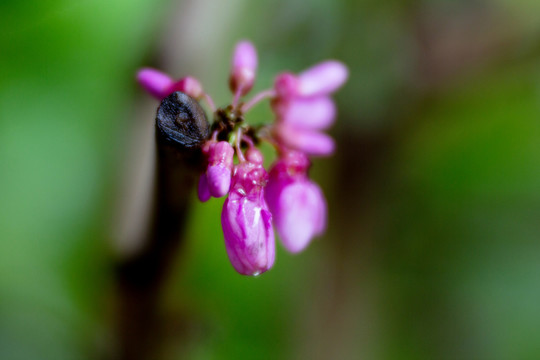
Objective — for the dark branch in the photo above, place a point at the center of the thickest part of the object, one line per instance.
(181, 129)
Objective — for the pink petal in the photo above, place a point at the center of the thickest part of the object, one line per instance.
(248, 233)
(155, 82)
(254, 156)
(219, 180)
(286, 86)
(311, 142)
(316, 113)
(244, 67)
(300, 214)
(220, 153)
(203, 192)
(188, 85)
(323, 78)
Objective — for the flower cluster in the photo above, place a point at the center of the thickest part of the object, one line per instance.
(284, 197)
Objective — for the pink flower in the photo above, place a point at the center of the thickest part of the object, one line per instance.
(246, 220)
(220, 162)
(160, 85)
(297, 203)
(320, 79)
(303, 107)
(315, 113)
(244, 66)
(286, 198)
(309, 141)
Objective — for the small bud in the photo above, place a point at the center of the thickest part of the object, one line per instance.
(247, 222)
(286, 86)
(297, 204)
(188, 85)
(220, 163)
(155, 82)
(254, 156)
(244, 67)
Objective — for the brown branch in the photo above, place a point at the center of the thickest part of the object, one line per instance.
(181, 128)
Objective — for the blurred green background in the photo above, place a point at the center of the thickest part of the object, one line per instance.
(432, 250)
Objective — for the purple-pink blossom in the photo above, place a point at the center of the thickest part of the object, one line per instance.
(247, 222)
(160, 85)
(220, 162)
(303, 107)
(257, 201)
(296, 202)
(244, 66)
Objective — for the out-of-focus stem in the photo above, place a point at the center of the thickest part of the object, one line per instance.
(181, 129)
(257, 98)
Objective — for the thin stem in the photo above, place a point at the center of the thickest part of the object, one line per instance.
(248, 140)
(258, 98)
(210, 102)
(238, 139)
(236, 98)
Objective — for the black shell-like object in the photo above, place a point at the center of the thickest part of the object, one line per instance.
(181, 120)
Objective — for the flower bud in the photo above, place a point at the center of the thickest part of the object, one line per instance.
(244, 67)
(297, 204)
(188, 85)
(286, 86)
(160, 85)
(254, 156)
(155, 82)
(220, 163)
(247, 222)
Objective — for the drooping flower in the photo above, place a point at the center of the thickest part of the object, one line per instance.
(246, 220)
(303, 107)
(297, 203)
(312, 142)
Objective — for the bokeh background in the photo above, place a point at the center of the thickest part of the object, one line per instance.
(432, 250)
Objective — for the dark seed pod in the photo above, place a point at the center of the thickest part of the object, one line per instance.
(181, 120)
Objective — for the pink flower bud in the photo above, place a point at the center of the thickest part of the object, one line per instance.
(316, 113)
(299, 213)
(311, 142)
(220, 163)
(286, 86)
(160, 85)
(155, 82)
(188, 85)
(247, 222)
(254, 156)
(203, 191)
(322, 79)
(297, 204)
(244, 66)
